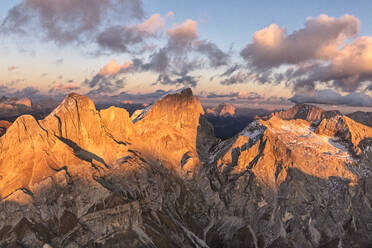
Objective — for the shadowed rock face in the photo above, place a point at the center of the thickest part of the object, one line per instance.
(87, 178)
(4, 125)
(362, 117)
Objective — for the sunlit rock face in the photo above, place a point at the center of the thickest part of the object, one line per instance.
(276, 145)
(167, 130)
(87, 178)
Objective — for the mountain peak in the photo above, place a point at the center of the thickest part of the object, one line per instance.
(170, 104)
(223, 109)
(305, 112)
(170, 128)
(74, 101)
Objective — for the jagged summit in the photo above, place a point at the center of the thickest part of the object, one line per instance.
(223, 109)
(305, 112)
(74, 101)
(183, 96)
(82, 177)
(170, 128)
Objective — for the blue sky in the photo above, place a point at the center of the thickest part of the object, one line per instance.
(235, 21)
(230, 25)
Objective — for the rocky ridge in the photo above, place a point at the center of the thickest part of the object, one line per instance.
(305, 112)
(87, 178)
(223, 109)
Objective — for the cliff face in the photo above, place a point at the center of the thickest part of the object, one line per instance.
(167, 131)
(87, 178)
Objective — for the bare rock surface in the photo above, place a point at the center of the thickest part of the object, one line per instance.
(305, 112)
(87, 178)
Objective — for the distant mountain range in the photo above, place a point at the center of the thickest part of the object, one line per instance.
(82, 177)
(223, 109)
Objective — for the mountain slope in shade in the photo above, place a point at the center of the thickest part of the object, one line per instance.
(87, 178)
(4, 125)
(362, 117)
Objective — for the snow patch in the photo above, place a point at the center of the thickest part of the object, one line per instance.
(301, 134)
(148, 108)
(253, 130)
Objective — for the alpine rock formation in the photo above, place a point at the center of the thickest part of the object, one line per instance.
(159, 178)
(223, 109)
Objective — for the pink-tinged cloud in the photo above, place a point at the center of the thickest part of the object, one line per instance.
(170, 14)
(319, 39)
(122, 38)
(66, 87)
(326, 51)
(113, 68)
(187, 31)
(126, 102)
(63, 88)
(152, 25)
(12, 68)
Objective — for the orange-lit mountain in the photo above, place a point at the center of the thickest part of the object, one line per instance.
(87, 178)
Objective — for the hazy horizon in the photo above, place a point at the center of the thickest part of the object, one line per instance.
(247, 53)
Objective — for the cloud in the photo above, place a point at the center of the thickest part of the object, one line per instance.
(244, 98)
(333, 98)
(170, 14)
(319, 39)
(101, 84)
(113, 68)
(63, 88)
(231, 70)
(216, 56)
(120, 38)
(12, 68)
(26, 92)
(129, 97)
(67, 21)
(110, 78)
(183, 54)
(181, 36)
(236, 95)
(59, 61)
(185, 79)
(326, 51)
(239, 77)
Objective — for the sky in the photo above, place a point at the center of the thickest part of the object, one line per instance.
(245, 52)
